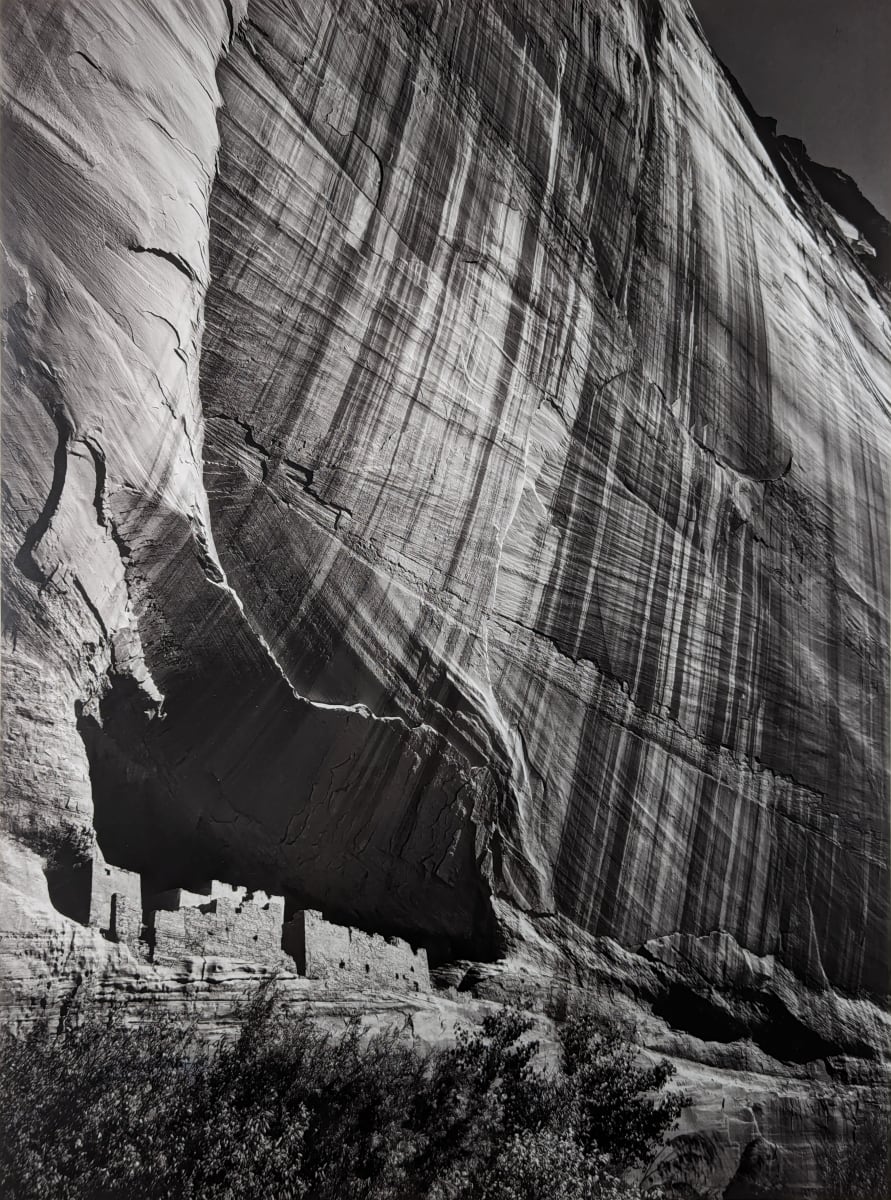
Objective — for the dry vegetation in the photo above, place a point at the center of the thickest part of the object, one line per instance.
(97, 1109)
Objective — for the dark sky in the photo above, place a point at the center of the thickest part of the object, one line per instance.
(823, 69)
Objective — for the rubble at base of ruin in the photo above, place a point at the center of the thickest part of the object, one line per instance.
(220, 919)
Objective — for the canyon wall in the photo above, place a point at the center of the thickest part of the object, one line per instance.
(571, 426)
(444, 478)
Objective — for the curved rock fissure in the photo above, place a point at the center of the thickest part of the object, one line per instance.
(24, 559)
(176, 260)
(273, 459)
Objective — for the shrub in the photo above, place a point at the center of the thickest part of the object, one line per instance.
(550, 1165)
(102, 1110)
(616, 1106)
(860, 1169)
(285, 1109)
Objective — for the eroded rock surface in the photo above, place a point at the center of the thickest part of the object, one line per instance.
(444, 474)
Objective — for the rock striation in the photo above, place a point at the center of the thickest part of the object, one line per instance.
(444, 479)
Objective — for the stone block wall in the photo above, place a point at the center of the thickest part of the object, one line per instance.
(125, 924)
(200, 895)
(322, 950)
(226, 921)
(115, 901)
(249, 930)
(174, 899)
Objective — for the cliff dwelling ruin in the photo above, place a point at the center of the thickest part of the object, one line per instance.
(223, 920)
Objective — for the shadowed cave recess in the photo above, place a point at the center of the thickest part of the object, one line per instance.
(160, 818)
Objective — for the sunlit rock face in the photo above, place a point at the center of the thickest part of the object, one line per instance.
(445, 483)
(539, 412)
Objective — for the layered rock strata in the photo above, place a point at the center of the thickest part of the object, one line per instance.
(444, 464)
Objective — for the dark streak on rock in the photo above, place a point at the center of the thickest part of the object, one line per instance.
(82, 592)
(179, 352)
(230, 16)
(87, 59)
(208, 565)
(98, 456)
(100, 497)
(176, 260)
(24, 559)
(273, 460)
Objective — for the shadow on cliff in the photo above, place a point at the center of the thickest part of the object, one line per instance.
(240, 780)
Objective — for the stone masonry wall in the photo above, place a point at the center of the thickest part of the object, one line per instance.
(325, 951)
(115, 901)
(249, 930)
(125, 920)
(223, 920)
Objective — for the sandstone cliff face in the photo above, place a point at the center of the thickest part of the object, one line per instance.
(444, 479)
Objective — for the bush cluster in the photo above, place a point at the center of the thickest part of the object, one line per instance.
(861, 1169)
(285, 1110)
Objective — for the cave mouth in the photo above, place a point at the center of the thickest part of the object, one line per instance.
(138, 824)
(68, 883)
(150, 817)
(758, 1016)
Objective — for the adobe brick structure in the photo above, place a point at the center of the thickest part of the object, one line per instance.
(322, 950)
(224, 920)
